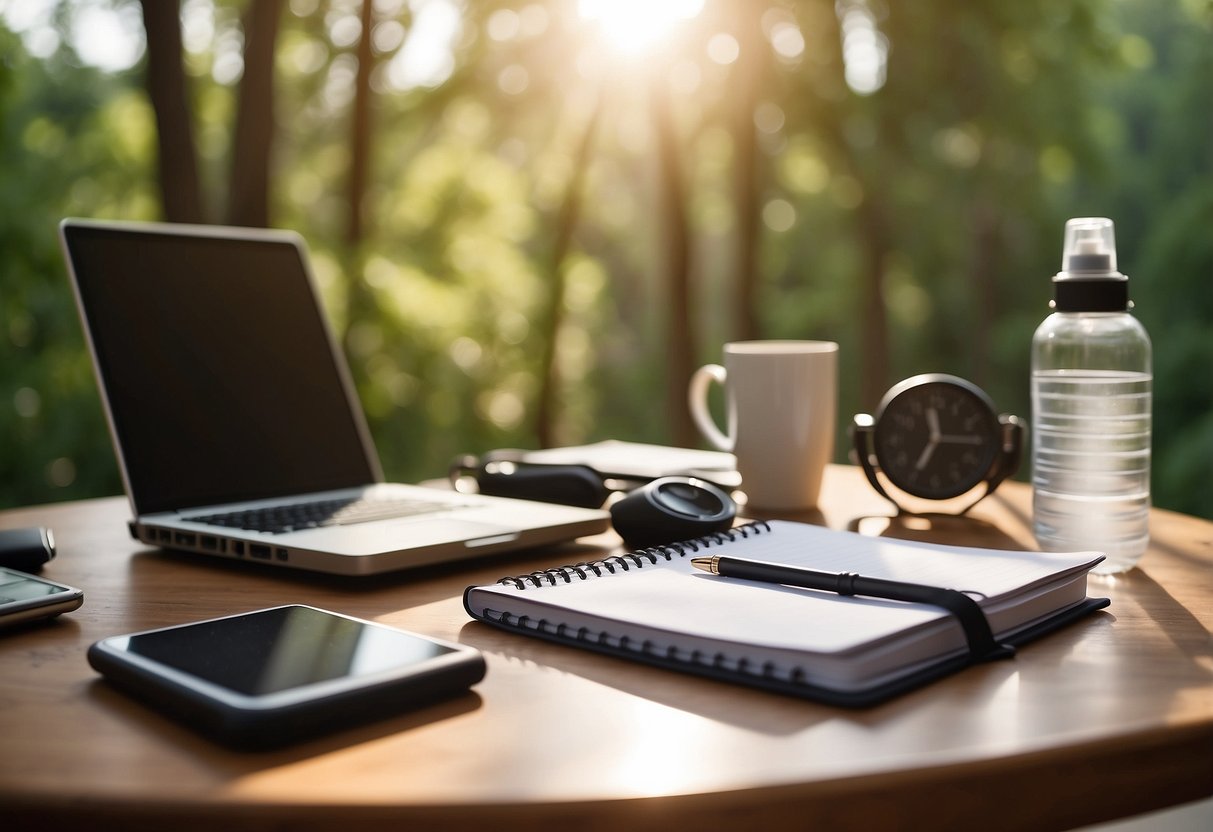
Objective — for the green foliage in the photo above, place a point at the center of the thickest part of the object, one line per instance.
(1178, 312)
(71, 142)
(945, 183)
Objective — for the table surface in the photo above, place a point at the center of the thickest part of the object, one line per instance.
(1109, 717)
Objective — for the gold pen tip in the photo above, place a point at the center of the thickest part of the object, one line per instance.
(706, 564)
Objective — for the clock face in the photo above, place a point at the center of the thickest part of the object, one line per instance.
(936, 438)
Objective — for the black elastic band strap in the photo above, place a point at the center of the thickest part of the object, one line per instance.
(982, 645)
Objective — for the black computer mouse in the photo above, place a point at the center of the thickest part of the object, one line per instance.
(26, 550)
(671, 509)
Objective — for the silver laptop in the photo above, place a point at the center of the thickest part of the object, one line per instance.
(234, 420)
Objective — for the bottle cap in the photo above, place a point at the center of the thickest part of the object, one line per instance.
(1088, 280)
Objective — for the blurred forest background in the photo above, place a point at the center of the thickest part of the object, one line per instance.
(531, 220)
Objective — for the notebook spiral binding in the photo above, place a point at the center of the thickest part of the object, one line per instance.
(606, 642)
(632, 560)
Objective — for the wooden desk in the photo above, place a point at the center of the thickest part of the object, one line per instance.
(1111, 717)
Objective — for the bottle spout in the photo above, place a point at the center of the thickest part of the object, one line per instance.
(1090, 248)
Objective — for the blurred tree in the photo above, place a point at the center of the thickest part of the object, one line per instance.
(253, 135)
(180, 194)
(681, 334)
(752, 70)
(360, 128)
(248, 185)
(359, 301)
(551, 318)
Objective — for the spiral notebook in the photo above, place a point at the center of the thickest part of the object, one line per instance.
(651, 606)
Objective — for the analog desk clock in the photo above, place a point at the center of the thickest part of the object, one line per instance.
(937, 437)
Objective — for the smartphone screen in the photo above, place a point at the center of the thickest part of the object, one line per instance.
(284, 648)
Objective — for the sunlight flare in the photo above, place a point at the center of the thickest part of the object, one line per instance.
(635, 25)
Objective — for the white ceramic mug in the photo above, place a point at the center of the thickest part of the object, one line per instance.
(781, 399)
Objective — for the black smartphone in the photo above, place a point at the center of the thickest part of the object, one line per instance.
(25, 597)
(271, 677)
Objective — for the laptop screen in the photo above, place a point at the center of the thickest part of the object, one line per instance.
(217, 366)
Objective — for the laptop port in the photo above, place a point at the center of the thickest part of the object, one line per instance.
(259, 550)
(280, 553)
(238, 547)
(209, 543)
(164, 535)
(184, 539)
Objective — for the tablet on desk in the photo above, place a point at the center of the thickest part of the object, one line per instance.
(274, 676)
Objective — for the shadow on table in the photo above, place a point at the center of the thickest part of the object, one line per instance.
(752, 709)
(948, 529)
(145, 720)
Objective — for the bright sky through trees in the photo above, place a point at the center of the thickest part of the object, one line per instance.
(635, 25)
(111, 37)
(107, 38)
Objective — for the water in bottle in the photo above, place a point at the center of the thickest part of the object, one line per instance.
(1091, 408)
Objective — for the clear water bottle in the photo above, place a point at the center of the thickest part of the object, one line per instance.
(1091, 408)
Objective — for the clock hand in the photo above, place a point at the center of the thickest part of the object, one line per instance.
(933, 423)
(932, 441)
(925, 456)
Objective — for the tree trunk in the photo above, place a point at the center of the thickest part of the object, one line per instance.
(566, 223)
(874, 360)
(986, 255)
(680, 332)
(872, 229)
(359, 301)
(252, 139)
(360, 130)
(747, 194)
(180, 193)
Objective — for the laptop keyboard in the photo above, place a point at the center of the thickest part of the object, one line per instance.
(313, 515)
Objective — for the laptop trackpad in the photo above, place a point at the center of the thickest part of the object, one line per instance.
(406, 533)
(439, 530)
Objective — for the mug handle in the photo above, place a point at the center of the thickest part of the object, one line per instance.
(697, 399)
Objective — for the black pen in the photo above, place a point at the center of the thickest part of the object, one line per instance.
(843, 583)
(977, 629)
